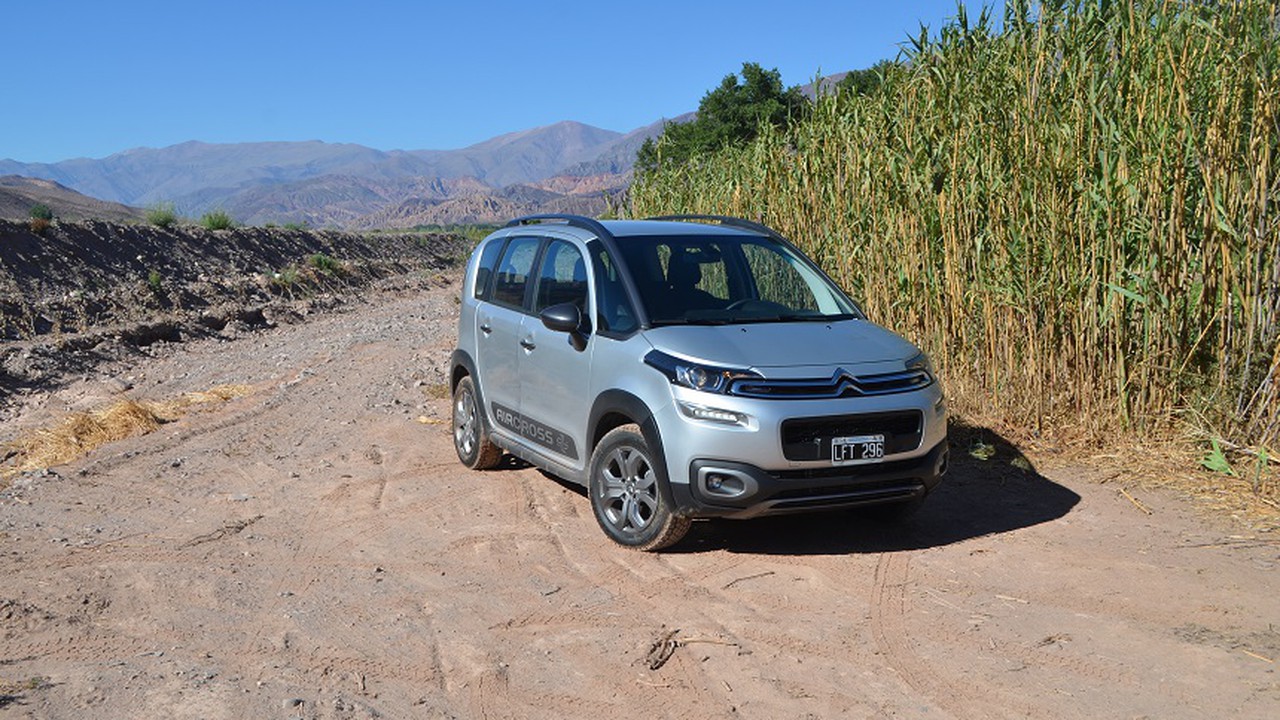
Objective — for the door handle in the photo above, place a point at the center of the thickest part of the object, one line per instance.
(486, 328)
(527, 344)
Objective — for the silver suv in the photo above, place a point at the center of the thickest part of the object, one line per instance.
(687, 367)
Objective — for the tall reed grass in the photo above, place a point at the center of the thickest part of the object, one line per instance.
(1075, 213)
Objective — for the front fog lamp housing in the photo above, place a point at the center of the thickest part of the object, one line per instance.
(694, 411)
(723, 484)
(695, 376)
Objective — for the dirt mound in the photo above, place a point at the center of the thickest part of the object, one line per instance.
(81, 293)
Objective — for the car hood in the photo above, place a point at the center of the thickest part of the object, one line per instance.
(782, 345)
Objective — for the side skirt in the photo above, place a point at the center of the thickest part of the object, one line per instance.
(532, 456)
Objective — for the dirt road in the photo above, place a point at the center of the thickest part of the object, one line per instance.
(313, 549)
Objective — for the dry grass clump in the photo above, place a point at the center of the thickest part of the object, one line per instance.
(80, 433)
(1249, 492)
(220, 393)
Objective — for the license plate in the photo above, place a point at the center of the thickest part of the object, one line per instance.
(857, 449)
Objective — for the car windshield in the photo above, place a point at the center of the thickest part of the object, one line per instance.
(723, 279)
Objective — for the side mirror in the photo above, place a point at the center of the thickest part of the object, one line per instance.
(566, 318)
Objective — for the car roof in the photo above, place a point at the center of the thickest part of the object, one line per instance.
(619, 230)
(627, 228)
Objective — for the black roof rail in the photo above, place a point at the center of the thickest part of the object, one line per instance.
(581, 221)
(724, 220)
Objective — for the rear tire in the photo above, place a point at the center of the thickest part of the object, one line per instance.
(470, 436)
(626, 495)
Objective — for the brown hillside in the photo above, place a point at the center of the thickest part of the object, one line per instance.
(18, 194)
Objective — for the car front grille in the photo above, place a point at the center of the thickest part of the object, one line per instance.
(841, 384)
(810, 438)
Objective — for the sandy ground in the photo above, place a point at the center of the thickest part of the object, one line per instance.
(313, 549)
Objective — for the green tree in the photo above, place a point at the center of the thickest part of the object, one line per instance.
(40, 211)
(729, 115)
(868, 81)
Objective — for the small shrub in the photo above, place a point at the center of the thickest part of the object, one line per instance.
(1216, 460)
(295, 225)
(39, 225)
(216, 220)
(40, 211)
(37, 682)
(162, 215)
(155, 281)
(324, 264)
(285, 278)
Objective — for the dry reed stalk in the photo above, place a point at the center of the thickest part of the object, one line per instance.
(1076, 214)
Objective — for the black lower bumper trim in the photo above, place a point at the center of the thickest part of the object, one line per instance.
(712, 482)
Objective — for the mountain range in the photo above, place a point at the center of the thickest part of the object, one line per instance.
(565, 167)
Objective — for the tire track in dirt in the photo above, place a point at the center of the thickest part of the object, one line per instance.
(551, 508)
(94, 646)
(1074, 603)
(330, 660)
(610, 591)
(308, 564)
(889, 613)
(197, 426)
(374, 454)
(490, 696)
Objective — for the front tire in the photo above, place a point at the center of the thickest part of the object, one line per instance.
(626, 495)
(470, 437)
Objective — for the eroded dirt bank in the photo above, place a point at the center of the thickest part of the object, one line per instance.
(83, 293)
(313, 549)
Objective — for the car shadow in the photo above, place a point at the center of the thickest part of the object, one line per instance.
(990, 488)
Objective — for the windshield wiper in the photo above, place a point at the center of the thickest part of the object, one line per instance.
(816, 318)
(754, 319)
(698, 321)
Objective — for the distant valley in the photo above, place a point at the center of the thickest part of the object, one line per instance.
(565, 167)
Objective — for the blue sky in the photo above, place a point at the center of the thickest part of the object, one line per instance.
(92, 78)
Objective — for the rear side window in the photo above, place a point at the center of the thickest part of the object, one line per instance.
(513, 271)
(484, 271)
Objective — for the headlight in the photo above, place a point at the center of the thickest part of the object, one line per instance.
(920, 361)
(706, 378)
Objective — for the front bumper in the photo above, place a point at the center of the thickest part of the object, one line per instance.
(719, 488)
